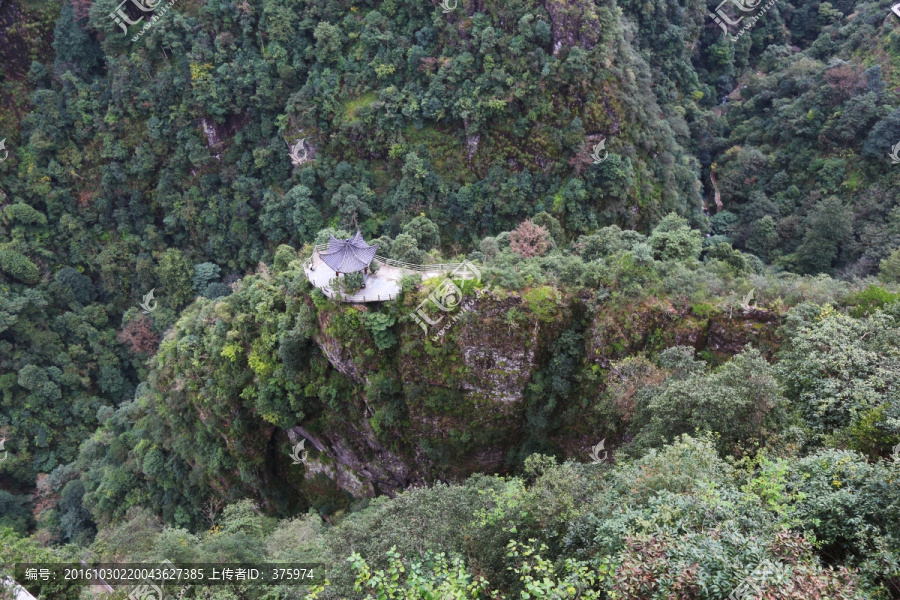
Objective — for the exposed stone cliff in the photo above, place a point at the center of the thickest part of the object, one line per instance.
(466, 391)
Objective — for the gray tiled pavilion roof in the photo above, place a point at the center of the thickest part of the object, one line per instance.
(348, 256)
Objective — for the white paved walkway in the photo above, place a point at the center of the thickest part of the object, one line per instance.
(383, 285)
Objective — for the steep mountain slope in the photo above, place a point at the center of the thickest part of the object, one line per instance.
(477, 118)
(383, 407)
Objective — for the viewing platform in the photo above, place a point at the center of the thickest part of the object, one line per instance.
(380, 286)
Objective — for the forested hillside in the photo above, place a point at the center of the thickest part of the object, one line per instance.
(715, 295)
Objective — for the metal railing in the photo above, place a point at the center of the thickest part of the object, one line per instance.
(361, 296)
(435, 268)
(357, 297)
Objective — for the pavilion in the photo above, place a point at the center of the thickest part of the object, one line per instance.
(355, 255)
(349, 256)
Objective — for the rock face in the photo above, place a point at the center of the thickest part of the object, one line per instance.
(472, 145)
(573, 24)
(464, 385)
(656, 325)
(213, 139)
(342, 462)
(498, 358)
(476, 384)
(728, 334)
(339, 357)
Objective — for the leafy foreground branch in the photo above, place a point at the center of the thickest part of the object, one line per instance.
(677, 523)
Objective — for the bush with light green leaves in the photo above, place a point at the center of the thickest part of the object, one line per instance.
(435, 577)
(843, 374)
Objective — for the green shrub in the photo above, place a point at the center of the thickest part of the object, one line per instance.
(552, 225)
(432, 576)
(725, 253)
(204, 274)
(672, 239)
(23, 213)
(836, 369)
(409, 282)
(283, 257)
(405, 248)
(26, 550)
(848, 503)
(542, 302)
(15, 512)
(216, 289)
(348, 283)
(703, 309)
(741, 401)
(379, 324)
(18, 266)
(544, 578)
(175, 276)
(715, 562)
(324, 235)
(869, 300)
(489, 247)
(424, 231)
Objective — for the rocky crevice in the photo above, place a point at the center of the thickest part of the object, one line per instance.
(357, 462)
